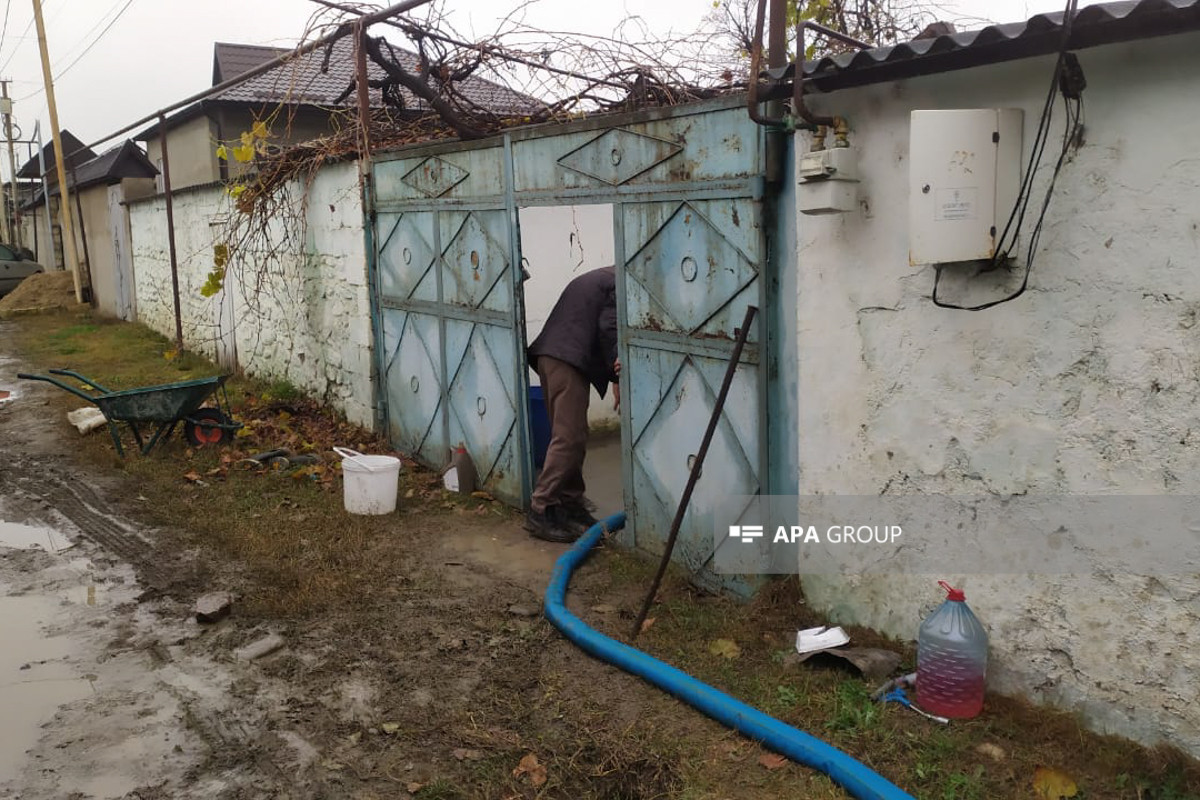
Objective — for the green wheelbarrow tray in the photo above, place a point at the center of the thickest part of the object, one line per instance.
(167, 406)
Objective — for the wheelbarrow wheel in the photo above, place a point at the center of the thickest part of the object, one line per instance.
(200, 434)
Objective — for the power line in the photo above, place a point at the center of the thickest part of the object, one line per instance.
(4, 32)
(86, 50)
(21, 40)
(66, 53)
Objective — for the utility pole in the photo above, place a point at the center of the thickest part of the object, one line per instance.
(6, 107)
(64, 207)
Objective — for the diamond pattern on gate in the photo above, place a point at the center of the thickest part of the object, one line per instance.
(480, 402)
(617, 156)
(689, 271)
(475, 263)
(434, 176)
(405, 258)
(674, 433)
(413, 386)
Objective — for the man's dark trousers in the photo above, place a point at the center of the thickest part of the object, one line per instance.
(567, 392)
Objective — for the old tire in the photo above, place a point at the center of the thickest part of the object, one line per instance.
(200, 434)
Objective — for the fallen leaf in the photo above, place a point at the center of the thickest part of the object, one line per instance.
(1053, 784)
(529, 766)
(772, 761)
(604, 608)
(726, 648)
(467, 755)
(390, 727)
(482, 495)
(192, 476)
(646, 623)
(414, 787)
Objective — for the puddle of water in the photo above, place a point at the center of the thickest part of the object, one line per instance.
(25, 537)
(35, 679)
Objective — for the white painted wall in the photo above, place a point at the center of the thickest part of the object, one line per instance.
(559, 243)
(306, 320)
(1085, 385)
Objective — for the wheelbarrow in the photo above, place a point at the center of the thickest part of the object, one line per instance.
(166, 405)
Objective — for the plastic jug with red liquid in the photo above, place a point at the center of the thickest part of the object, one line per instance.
(952, 651)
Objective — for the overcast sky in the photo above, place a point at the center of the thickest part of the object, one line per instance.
(116, 61)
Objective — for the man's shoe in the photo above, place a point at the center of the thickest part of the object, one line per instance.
(552, 526)
(580, 514)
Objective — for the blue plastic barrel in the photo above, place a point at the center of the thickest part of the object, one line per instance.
(539, 425)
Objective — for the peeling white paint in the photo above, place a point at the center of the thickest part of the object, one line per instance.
(308, 322)
(1085, 385)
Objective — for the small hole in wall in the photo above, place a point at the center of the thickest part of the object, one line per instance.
(332, 208)
(301, 357)
(891, 454)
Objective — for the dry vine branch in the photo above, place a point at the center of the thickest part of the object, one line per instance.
(430, 90)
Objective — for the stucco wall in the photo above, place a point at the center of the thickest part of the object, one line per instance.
(192, 150)
(561, 243)
(1085, 385)
(305, 319)
(102, 266)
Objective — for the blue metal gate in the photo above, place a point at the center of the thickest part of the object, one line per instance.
(451, 363)
(686, 186)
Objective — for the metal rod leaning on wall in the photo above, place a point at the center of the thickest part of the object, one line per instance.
(166, 172)
(87, 260)
(697, 467)
(41, 157)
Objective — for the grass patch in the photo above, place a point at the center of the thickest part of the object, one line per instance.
(300, 554)
(299, 551)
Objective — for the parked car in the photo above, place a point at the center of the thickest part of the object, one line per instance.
(16, 266)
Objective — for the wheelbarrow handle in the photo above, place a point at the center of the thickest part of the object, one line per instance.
(64, 386)
(79, 378)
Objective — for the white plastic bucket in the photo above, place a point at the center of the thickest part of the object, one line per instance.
(370, 482)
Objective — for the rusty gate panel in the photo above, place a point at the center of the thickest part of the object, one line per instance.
(449, 312)
(686, 184)
(687, 261)
(411, 374)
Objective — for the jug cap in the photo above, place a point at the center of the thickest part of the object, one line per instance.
(955, 595)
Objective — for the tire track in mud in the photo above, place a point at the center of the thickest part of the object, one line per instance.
(78, 503)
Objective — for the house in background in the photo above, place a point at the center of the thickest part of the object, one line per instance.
(300, 100)
(99, 189)
(37, 233)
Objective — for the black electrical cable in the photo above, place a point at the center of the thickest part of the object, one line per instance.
(1068, 81)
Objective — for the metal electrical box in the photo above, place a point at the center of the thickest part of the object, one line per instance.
(964, 177)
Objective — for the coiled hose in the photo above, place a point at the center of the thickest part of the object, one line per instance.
(848, 773)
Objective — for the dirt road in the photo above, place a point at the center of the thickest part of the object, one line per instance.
(438, 685)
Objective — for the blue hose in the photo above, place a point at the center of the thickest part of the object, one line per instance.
(852, 776)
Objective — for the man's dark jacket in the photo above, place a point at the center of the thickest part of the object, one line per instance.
(582, 328)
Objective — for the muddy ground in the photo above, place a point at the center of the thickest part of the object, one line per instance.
(437, 683)
(416, 661)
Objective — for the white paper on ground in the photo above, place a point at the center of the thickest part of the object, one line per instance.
(823, 638)
(87, 419)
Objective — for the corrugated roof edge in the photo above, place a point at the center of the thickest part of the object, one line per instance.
(1095, 25)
